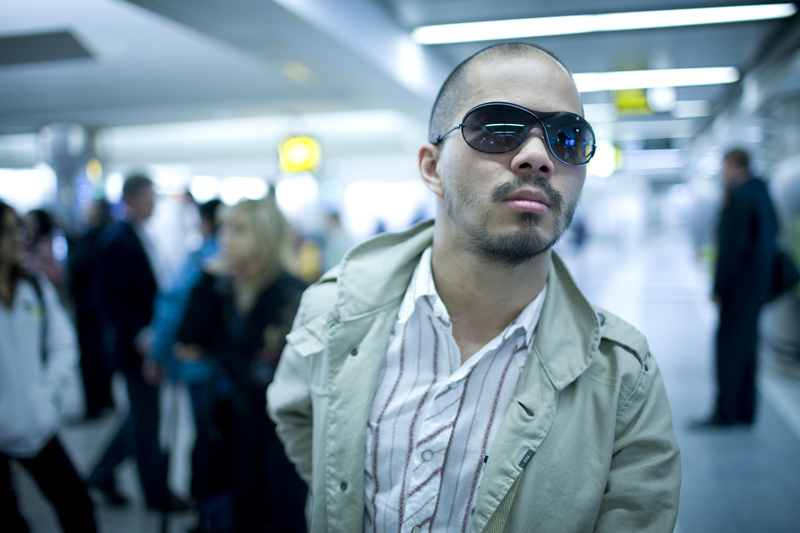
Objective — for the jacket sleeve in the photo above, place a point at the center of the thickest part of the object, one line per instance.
(733, 243)
(643, 485)
(169, 311)
(117, 275)
(62, 346)
(289, 402)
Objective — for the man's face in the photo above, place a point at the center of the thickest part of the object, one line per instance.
(141, 203)
(514, 206)
(731, 173)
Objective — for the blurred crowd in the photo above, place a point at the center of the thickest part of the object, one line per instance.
(103, 302)
(77, 308)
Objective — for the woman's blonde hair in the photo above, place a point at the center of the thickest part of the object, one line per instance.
(272, 233)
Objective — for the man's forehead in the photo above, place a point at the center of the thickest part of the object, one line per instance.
(534, 80)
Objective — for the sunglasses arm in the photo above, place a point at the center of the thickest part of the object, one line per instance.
(443, 135)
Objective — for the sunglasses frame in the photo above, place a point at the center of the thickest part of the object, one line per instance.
(535, 116)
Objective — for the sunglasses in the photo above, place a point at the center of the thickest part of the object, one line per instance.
(498, 127)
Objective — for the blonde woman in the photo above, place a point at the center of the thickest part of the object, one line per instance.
(239, 313)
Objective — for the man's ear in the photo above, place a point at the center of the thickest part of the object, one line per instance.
(428, 168)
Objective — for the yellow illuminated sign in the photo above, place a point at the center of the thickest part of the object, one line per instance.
(94, 170)
(298, 154)
(631, 102)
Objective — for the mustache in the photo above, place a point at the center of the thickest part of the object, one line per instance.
(507, 188)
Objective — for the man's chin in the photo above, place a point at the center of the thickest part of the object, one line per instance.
(513, 248)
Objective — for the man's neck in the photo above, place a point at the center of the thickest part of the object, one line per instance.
(482, 296)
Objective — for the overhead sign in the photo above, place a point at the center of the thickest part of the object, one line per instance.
(299, 154)
(631, 102)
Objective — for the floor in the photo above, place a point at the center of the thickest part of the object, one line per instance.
(737, 480)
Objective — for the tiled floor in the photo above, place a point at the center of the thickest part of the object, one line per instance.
(734, 481)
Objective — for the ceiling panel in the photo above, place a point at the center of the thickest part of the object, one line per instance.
(160, 61)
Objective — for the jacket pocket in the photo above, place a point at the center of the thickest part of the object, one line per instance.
(309, 342)
(25, 416)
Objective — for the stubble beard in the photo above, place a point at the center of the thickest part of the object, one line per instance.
(519, 246)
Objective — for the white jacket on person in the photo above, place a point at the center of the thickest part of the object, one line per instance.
(32, 391)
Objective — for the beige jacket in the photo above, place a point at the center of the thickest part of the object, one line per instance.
(589, 429)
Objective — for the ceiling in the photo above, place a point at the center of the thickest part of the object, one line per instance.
(160, 61)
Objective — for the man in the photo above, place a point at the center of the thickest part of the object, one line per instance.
(127, 288)
(82, 273)
(453, 377)
(747, 231)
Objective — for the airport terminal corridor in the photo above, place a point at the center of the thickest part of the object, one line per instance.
(735, 480)
(174, 173)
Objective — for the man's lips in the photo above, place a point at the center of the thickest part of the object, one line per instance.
(528, 200)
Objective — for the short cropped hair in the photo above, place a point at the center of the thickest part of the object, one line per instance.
(135, 184)
(453, 90)
(738, 157)
(44, 223)
(208, 211)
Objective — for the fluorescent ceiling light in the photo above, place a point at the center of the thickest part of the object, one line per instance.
(540, 27)
(604, 113)
(596, 113)
(643, 79)
(691, 108)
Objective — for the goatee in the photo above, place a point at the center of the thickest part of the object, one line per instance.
(525, 243)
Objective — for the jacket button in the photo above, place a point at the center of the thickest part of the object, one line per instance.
(354, 352)
(343, 486)
(646, 367)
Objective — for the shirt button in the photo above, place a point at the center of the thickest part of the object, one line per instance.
(453, 385)
(437, 312)
(343, 486)
(427, 455)
(416, 529)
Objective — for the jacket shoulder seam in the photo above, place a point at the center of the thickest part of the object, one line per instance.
(628, 400)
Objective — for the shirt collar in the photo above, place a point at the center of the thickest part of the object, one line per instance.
(422, 285)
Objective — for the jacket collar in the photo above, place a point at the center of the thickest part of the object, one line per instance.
(568, 334)
(376, 274)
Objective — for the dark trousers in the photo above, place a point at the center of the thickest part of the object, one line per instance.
(96, 377)
(268, 494)
(138, 437)
(60, 483)
(737, 338)
(212, 455)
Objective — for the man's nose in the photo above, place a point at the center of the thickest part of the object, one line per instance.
(533, 156)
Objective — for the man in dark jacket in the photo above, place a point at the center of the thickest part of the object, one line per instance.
(747, 231)
(83, 263)
(127, 283)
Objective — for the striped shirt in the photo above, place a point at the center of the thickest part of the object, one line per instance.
(433, 419)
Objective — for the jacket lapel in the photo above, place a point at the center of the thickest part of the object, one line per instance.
(567, 337)
(371, 282)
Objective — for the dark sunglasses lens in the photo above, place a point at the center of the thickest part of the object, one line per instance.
(571, 138)
(496, 129)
